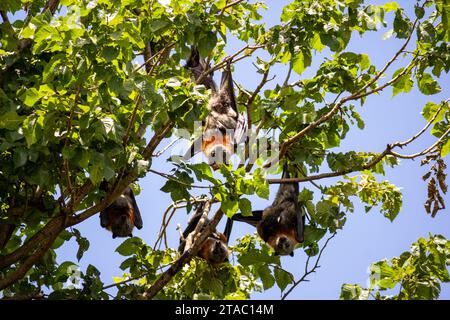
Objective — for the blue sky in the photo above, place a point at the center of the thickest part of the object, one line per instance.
(365, 238)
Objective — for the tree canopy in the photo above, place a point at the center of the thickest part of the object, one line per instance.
(91, 92)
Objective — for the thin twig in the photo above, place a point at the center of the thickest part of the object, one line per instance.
(167, 275)
(358, 94)
(308, 272)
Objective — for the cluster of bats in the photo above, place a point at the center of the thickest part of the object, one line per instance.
(281, 225)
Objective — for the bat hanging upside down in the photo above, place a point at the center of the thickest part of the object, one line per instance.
(282, 224)
(224, 127)
(122, 215)
(215, 248)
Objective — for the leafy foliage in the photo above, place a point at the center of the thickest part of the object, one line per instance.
(83, 84)
(417, 273)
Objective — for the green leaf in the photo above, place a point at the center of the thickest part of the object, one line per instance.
(20, 157)
(283, 278)
(31, 96)
(229, 207)
(429, 111)
(391, 6)
(266, 277)
(427, 85)
(403, 84)
(445, 150)
(129, 246)
(11, 120)
(350, 292)
(298, 63)
(364, 62)
(245, 206)
(207, 44)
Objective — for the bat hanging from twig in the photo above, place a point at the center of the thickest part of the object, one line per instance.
(282, 224)
(225, 128)
(122, 215)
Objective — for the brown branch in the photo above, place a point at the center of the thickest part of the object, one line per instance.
(414, 137)
(149, 67)
(159, 153)
(156, 139)
(53, 227)
(169, 177)
(6, 232)
(184, 258)
(423, 152)
(377, 159)
(192, 237)
(229, 6)
(358, 94)
(308, 272)
(390, 62)
(368, 165)
(148, 53)
(29, 262)
(387, 84)
(51, 5)
(232, 58)
(165, 222)
(254, 95)
(5, 17)
(132, 121)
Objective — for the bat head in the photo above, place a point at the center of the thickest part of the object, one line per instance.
(216, 147)
(218, 154)
(282, 244)
(214, 251)
(122, 225)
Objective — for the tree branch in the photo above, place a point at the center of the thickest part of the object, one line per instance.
(51, 5)
(232, 58)
(184, 258)
(29, 262)
(423, 152)
(54, 226)
(368, 165)
(308, 272)
(414, 137)
(358, 94)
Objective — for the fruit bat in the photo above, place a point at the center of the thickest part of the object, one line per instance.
(215, 248)
(224, 127)
(280, 225)
(122, 215)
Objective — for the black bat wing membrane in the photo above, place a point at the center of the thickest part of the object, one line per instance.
(252, 220)
(285, 214)
(292, 190)
(197, 65)
(137, 214)
(226, 86)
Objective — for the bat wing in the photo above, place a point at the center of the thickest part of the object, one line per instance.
(240, 134)
(252, 220)
(195, 147)
(192, 223)
(299, 219)
(226, 86)
(104, 219)
(300, 228)
(137, 214)
(228, 228)
(198, 65)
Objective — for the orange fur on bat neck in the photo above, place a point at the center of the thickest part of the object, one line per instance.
(209, 142)
(290, 234)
